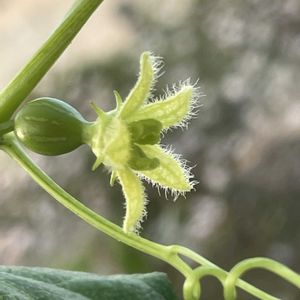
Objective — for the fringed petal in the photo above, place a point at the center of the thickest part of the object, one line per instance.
(172, 172)
(141, 92)
(175, 109)
(133, 191)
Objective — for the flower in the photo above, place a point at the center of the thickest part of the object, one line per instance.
(126, 139)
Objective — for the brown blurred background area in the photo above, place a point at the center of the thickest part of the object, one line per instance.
(245, 143)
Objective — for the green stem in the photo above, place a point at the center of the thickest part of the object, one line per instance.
(201, 272)
(192, 285)
(262, 263)
(168, 254)
(24, 82)
(204, 262)
(15, 150)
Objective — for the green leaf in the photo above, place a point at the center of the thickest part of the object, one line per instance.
(47, 284)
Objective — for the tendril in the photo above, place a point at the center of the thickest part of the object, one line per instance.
(253, 263)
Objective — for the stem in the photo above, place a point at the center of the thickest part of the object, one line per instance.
(201, 272)
(192, 285)
(25, 81)
(204, 262)
(15, 150)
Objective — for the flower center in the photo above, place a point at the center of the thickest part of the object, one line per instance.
(116, 143)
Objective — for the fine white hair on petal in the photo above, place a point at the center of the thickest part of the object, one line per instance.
(135, 204)
(157, 66)
(142, 91)
(194, 104)
(183, 164)
(138, 225)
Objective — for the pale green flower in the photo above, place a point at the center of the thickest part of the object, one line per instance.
(126, 140)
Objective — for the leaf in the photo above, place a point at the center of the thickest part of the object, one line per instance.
(23, 283)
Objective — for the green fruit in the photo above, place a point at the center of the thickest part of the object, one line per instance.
(49, 126)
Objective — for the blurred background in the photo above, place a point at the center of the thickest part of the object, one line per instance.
(245, 143)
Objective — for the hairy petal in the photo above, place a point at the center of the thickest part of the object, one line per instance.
(172, 173)
(173, 110)
(133, 191)
(141, 92)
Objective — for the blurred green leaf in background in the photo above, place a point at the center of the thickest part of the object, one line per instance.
(43, 283)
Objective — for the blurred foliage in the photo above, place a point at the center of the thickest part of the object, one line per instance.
(45, 283)
(245, 145)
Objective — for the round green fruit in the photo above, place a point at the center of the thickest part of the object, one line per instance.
(49, 126)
